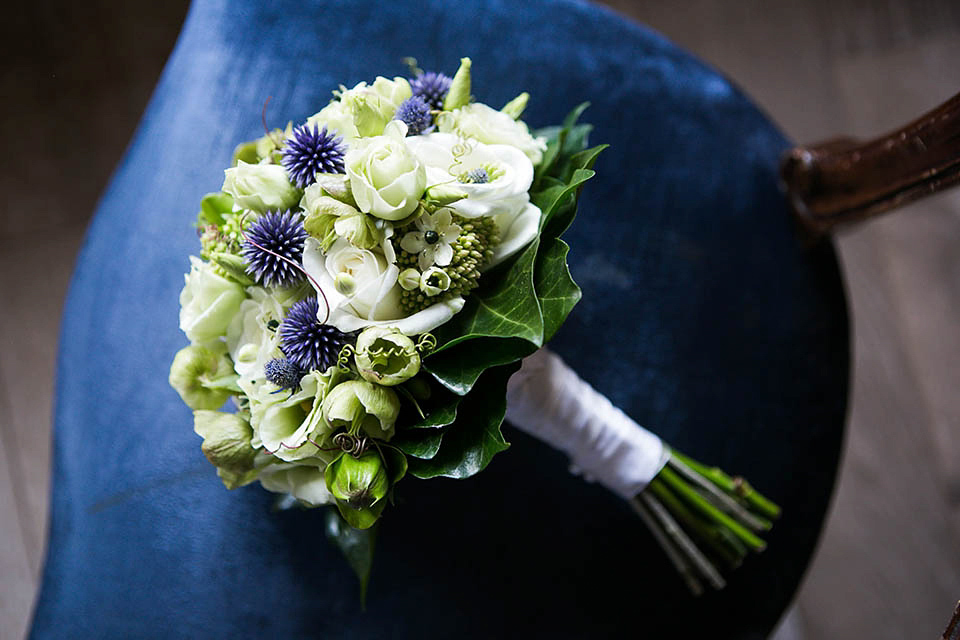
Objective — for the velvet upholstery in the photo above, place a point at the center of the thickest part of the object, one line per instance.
(705, 316)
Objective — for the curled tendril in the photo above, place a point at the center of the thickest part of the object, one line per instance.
(426, 343)
(463, 146)
(343, 359)
(354, 445)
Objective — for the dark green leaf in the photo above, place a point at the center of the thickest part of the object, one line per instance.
(551, 199)
(550, 155)
(458, 368)
(442, 411)
(584, 159)
(470, 443)
(422, 438)
(556, 288)
(396, 463)
(508, 308)
(357, 546)
(574, 115)
(419, 443)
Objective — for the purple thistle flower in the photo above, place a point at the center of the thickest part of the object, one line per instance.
(283, 373)
(432, 87)
(270, 239)
(307, 343)
(415, 112)
(311, 152)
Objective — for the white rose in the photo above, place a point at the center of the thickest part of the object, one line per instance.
(260, 187)
(337, 119)
(386, 179)
(504, 196)
(373, 297)
(208, 302)
(373, 106)
(251, 342)
(485, 124)
(304, 482)
(509, 173)
(281, 424)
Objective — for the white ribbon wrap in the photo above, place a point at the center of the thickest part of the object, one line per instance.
(548, 400)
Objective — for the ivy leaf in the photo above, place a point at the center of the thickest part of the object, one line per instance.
(357, 546)
(507, 309)
(470, 443)
(422, 444)
(557, 291)
(561, 196)
(458, 368)
(422, 438)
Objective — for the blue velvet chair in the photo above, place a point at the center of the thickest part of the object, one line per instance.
(705, 316)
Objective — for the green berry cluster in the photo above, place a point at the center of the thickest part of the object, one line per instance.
(225, 238)
(472, 249)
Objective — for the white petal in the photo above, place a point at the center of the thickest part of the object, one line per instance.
(443, 254)
(517, 235)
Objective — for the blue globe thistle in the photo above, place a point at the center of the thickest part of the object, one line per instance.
(415, 112)
(307, 343)
(283, 373)
(478, 175)
(274, 235)
(432, 87)
(311, 152)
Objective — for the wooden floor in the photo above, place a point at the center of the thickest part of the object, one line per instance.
(889, 562)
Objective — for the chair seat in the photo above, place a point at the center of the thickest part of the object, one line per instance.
(704, 316)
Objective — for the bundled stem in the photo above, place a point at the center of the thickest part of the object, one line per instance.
(689, 505)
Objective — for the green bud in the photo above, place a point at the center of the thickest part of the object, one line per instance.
(360, 482)
(345, 283)
(233, 266)
(245, 152)
(260, 187)
(434, 281)
(357, 405)
(367, 114)
(459, 93)
(202, 378)
(358, 229)
(226, 440)
(515, 107)
(409, 279)
(441, 195)
(336, 185)
(385, 356)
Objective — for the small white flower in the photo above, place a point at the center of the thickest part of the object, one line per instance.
(433, 239)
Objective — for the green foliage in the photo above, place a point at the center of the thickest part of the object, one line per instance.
(517, 308)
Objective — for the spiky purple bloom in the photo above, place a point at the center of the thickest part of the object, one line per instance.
(283, 373)
(307, 343)
(415, 112)
(478, 175)
(311, 152)
(432, 87)
(279, 236)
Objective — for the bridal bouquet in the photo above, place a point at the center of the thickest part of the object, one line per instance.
(367, 285)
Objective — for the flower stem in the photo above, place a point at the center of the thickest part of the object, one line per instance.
(707, 532)
(672, 551)
(734, 486)
(683, 541)
(720, 499)
(701, 504)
